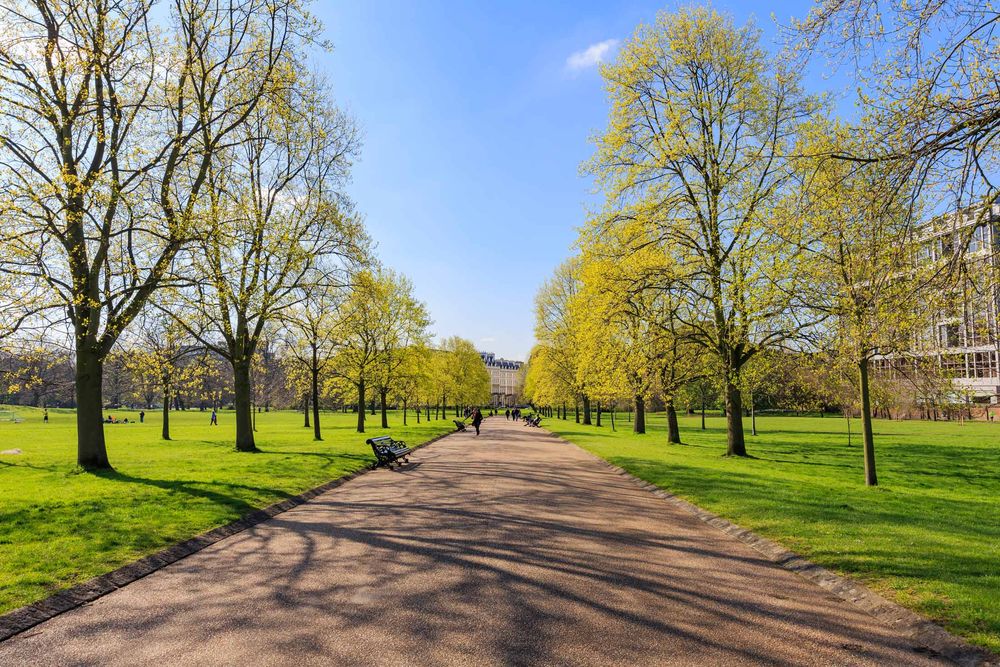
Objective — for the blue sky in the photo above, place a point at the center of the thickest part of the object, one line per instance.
(476, 117)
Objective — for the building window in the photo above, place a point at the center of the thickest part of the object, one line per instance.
(953, 365)
(948, 335)
(983, 364)
(979, 240)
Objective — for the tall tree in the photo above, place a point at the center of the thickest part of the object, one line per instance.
(555, 363)
(312, 338)
(701, 121)
(110, 123)
(866, 272)
(274, 215)
(402, 324)
(357, 331)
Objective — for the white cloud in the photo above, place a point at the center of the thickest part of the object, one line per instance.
(488, 339)
(591, 56)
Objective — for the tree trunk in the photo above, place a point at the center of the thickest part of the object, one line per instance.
(734, 421)
(586, 411)
(305, 411)
(165, 432)
(598, 413)
(361, 406)
(91, 452)
(317, 434)
(382, 394)
(404, 413)
(702, 413)
(753, 415)
(673, 430)
(241, 401)
(871, 479)
(639, 425)
(576, 411)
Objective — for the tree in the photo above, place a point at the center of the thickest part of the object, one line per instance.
(357, 332)
(313, 337)
(863, 260)
(111, 122)
(273, 217)
(160, 348)
(553, 370)
(401, 325)
(465, 372)
(701, 123)
(632, 310)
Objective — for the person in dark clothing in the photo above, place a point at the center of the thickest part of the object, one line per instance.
(507, 414)
(477, 419)
(142, 416)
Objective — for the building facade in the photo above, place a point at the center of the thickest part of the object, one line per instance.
(505, 380)
(961, 343)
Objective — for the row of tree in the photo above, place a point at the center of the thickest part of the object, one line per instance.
(745, 225)
(171, 186)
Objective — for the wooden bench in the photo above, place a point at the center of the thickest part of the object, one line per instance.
(459, 425)
(388, 451)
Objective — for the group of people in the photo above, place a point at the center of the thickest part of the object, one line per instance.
(110, 419)
(514, 414)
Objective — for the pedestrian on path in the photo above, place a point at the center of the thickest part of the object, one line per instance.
(215, 418)
(507, 414)
(477, 419)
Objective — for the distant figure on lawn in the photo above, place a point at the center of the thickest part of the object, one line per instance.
(45, 416)
(142, 416)
(477, 419)
(215, 418)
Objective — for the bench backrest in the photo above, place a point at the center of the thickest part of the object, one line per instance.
(382, 440)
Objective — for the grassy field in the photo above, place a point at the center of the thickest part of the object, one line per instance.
(60, 526)
(928, 537)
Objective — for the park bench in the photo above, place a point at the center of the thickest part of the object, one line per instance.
(388, 451)
(459, 425)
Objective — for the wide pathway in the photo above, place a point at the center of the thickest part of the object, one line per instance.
(514, 548)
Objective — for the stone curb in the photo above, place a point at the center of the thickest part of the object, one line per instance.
(911, 624)
(19, 620)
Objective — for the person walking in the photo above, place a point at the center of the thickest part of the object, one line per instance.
(142, 416)
(45, 416)
(507, 414)
(477, 419)
(215, 418)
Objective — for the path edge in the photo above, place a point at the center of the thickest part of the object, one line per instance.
(24, 618)
(911, 624)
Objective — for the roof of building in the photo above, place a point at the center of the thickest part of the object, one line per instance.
(492, 361)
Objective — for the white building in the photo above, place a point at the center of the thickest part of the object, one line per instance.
(963, 340)
(505, 379)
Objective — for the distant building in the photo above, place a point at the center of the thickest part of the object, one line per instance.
(505, 379)
(963, 340)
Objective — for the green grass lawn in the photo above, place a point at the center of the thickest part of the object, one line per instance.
(60, 526)
(928, 537)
